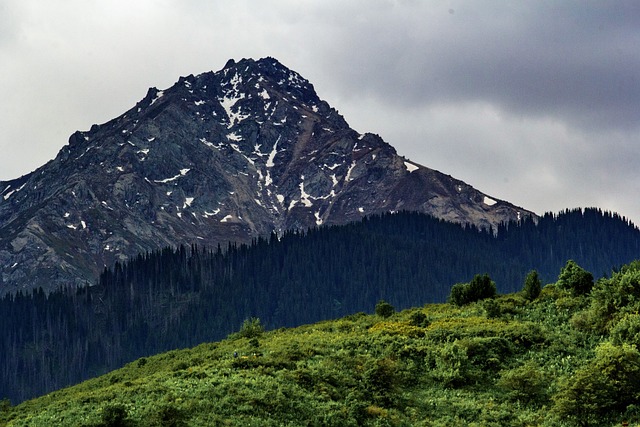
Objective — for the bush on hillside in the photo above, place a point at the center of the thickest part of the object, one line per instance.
(251, 328)
(481, 287)
(532, 286)
(575, 279)
(605, 386)
(384, 309)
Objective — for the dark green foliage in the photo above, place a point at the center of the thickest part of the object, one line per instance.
(251, 328)
(458, 294)
(180, 366)
(418, 318)
(381, 379)
(437, 365)
(178, 297)
(491, 308)
(526, 383)
(468, 360)
(384, 309)
(612, 298)
(5, 407)
(627, 330)
(606, 385)
(575, 279)
(481, 287)
(115, 416)
(169, 416)
(5, 404)
(451, 365)
(532, 286)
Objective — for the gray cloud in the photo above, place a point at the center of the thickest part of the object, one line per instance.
(534, 102)
(568, 62)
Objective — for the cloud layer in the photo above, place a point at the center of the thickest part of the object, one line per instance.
(534, 102)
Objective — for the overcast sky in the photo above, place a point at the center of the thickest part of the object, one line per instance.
(535, 102)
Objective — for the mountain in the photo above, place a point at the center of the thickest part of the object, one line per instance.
(222, 156)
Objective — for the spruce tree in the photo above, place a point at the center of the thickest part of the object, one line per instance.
(532, 286)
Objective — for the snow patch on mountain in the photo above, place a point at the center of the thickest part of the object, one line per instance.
(489, 201)
(411, 167)
(187, 202)
(182, 173)
(159, 95)
(304, 196)
(348, 178)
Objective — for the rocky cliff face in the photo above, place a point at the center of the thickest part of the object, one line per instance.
(221, 156)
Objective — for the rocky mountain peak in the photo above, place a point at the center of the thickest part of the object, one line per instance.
(225, 155)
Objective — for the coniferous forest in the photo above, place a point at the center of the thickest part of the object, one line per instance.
(179, 297)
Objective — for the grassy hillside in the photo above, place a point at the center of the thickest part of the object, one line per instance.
(566, 357)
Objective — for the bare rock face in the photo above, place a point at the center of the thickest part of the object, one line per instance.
(218, 157)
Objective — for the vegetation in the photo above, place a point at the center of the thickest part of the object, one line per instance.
(575, 279)
(564, 358)
(384, 309)
(180, 297)
(532, 286)
(479, 288)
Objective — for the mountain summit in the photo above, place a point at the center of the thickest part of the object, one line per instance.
(222, 156)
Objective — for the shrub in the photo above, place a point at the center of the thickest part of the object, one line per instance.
(398, 328)
(5, 409)
(525, 383)
(169, 416)
(523, 334)
(468, 360)
(418, 318)
(492, 309)
(384, 309)
(251, 328)
(532, 286)
(452, 365)
(481, 287)
(575, 279)
(487, 353)
(5, 405)
(606, 385)
(115, 416)
(458, 295)
(610, 298)
(381, 379)
(627, 330)
(180, 366)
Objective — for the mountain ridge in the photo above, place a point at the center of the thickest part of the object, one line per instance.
(221, 156)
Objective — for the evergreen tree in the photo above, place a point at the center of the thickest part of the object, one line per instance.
(575, 279)
(532, 286)
(481, 287)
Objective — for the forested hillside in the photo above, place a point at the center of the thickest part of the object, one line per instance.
(562, 356)
(175, 298)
